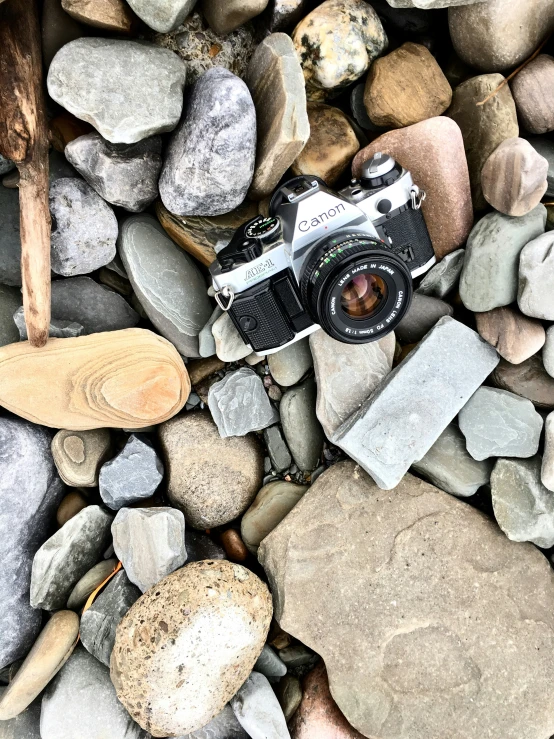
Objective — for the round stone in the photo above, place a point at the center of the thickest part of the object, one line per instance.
(514, 336)
(532, 89)
(536, 278)
(79, 455)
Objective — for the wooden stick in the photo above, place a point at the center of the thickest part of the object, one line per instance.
(24, 139)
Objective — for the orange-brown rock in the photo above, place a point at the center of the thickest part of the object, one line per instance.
(515, 336)
(201, 369)
(111, 15)
(65, 128)
(122, 379)
(234, 546)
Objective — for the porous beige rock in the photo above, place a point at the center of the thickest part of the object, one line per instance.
(440, 644)
(226, 15)
(174, 668)
(533, 91)
(111, 15)
(514, 336)
(79, 455)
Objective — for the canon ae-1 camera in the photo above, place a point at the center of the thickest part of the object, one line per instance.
(340, 261)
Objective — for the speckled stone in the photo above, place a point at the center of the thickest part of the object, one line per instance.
(514, 336)
(201, 655)
(239, 404)
(532, 91)
(89, 582)
(163, 15)
(79, 455)
(536, 278)
(528, 379)
(443, 277)
(273, 502)
(281, 15)
(225, 16)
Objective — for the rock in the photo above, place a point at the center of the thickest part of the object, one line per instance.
(10, 300)
(58, 329)
(63, 129)
(289, 365)
(484, 127)
(454, 361)
(280, 15)
(429, 4)
(99, 622)
(303, 433)
(82, 701)
(256, 707)
(547, 468)
(206, 341)
(10, 242)
(490, 274)
(269, 664)
(211, 479)
(201, 369)
(223, 726)
(497, 423)
(345, 540)
(528, 379)
(124, 175)
(234, 546)
(331, 61)
(545, 148)
(275, 79)
(6, 165)
(169, 285)
(274, 501)
(125, 89)
(68, 555)
(150, 542)
(501, 34)
(30, 492)
(536, 273)
(331, 146)
(201, 546)
(443, 277)
(133, 475)
(205, 652)
(239, 404)
(71, 505)
(531, 88)
(225, 16)
(162, 16)
(405, 87)
(514, 177)
(298, 655)
(433, 151)
(548, 352)
(24, 726)
(79, 456)
(122, 379)
(110, 15)
(97, 308)
(229, 345)
(347, 374)
(423, 314)
(289, 694)
(58, 29)
(448, 465)
(514, 336)
(277, 449)
(49, 653)
(89, 582)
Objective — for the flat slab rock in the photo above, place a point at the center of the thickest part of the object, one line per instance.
(438, 634)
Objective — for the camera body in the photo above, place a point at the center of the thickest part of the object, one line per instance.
(341, 261)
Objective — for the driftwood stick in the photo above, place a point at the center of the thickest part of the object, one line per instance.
(24, 139)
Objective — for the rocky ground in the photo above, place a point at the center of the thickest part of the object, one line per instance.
(333, 541)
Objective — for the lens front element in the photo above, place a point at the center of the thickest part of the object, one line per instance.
(363, 295)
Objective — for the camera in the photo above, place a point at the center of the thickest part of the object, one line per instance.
(341, 261)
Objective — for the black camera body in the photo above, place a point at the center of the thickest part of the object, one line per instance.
(340, 261)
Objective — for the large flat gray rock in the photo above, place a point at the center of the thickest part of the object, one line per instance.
(407, 413)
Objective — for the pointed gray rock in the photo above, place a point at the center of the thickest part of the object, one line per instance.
(269, 664)
(239, 404)
(277, 449)
(443, 277)
(134, 474)
(162, 15)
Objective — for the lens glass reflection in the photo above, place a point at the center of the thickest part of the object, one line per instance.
(363, 295)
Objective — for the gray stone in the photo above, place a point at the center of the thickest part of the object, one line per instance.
(99, 622)
(81, 702)
(209, 163)
(201, 546)
(547, 468)
(545, 147)
(6, 165)
(30, 492)
(422, 315)
(169, 285)
(89, 582)
(536, 278)
(24, 726)
(270, 506)
(277, 449)
(150, 542)
(224, 726)
(450, 467)
(407, 413)
(346, 375)
(133, 475)
(298, 655)
(68, 555)
(124, 175)
(443, 277)
(225, 16)
(497, 423)
(239, 404)
(270, 665)
(10, 300)
(163, 15)
(127, 90)
(522, 505)
(301, 428)
(548, 352)
(10, 242)
(206, 341)
(58, 329)
(258, 711)
(289, 365)
(59, 166)
(490, 273)
(229, 345)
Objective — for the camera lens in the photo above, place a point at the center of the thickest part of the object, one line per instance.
(363, 295)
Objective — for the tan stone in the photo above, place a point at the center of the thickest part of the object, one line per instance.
(123, 379)
(331, 145)
(111, 15)
(533, 91)
(70, 506)
(514, 336)
(529, 379)
(405, 87)
(200, 369)
(225, 16)
(79, 455)
(269, 508)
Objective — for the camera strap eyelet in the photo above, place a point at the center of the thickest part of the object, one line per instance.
(227, 293)
(417, 197)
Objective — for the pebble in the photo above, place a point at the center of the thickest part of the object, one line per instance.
(223, 726)
(422, 315)
(225, 16)
(270, 506)
(282, 15)
(206, 341)
(441, 279)
(10, 242)
(545, 148)
(490, 274)
(164, 15)
(258, 711)
(89, 582)
(71, 505)
(25, 725)
(298, 655)
(547, 467)
(92, 77)
(450, 467)
(532, 91)
(235, 549)
(201, 546)
(270, 665)
(336, 43)
(239, 404)
(283, 127)
(302, 430)
(201, 369)
(548, 352)
(150, 542)
(229, 345)
(200, 655)
(433, 151)
(347, 374)
(68, 555)
(78, 455)
(99, 622)
(211, 479)
(514, 177)
(277, 449)
(6, 165)
(58, 329)
(51, 650)
(514, 336)
(124, 175)
(289, 694)
(109, 15)
(81, 701)
(536, 278)
(169, 285)
(497, 423)
(528, 379)
(289, 365)
(10, 300)
(132, 476)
